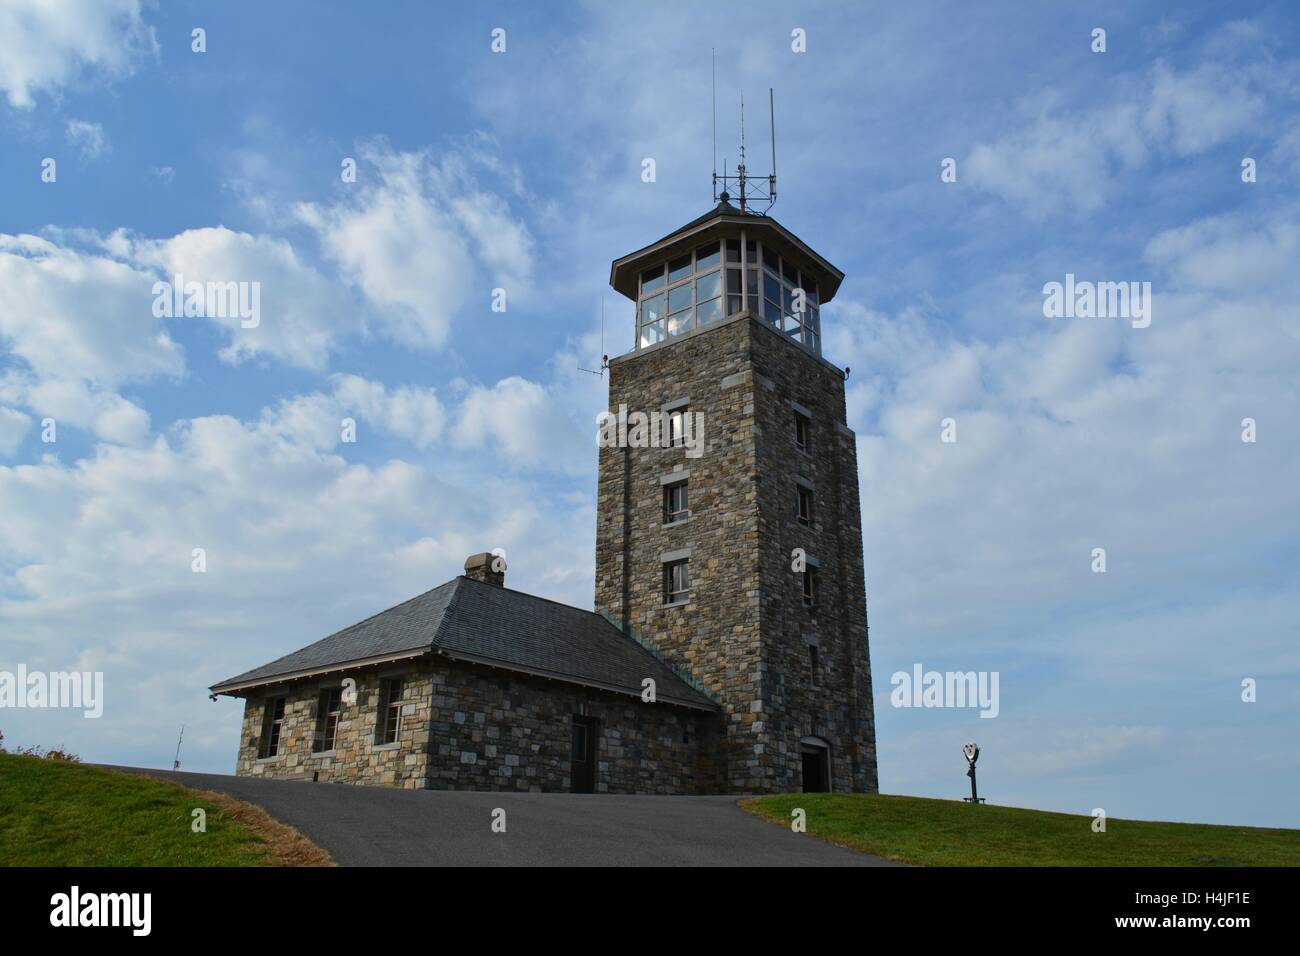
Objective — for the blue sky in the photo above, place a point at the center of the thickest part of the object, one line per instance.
(522, 171)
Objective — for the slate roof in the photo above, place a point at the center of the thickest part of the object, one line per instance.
(485, 624)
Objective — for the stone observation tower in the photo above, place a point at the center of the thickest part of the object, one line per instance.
(729, 535)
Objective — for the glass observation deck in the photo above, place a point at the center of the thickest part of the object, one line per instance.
(723, 277)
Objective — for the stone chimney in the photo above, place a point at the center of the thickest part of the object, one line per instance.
(479, 567)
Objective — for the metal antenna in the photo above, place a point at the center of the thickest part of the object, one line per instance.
(714, 54)
(176, 764)
(741, 179)
(604, 356)
(740, 167)
(771, 180)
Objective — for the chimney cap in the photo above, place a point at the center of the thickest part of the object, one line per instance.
(481, 560)
(487, 567)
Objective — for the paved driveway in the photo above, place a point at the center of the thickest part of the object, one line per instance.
(377, 826)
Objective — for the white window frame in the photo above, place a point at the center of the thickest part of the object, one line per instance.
(388, 706)
(807, 331)
(673, 517)
(682, 596)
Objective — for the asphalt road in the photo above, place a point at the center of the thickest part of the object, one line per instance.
(378, 826)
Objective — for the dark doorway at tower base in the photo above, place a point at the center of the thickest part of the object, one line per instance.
(814, 771)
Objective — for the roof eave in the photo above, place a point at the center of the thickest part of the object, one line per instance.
(231, 688)
(570, 679)
(623, 274)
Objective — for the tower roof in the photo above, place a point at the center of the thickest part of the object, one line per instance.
(725, 220)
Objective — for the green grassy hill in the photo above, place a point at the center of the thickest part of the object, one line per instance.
(54, 813)
(951, 833)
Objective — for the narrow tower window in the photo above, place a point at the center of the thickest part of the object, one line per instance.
(802, 426)
(676, 503)
(810, 586)
(677, 582)
(677, 427)
(805, 504)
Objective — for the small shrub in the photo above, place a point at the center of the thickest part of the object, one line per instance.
(40, 753)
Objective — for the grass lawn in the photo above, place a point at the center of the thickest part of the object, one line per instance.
(54, 813)
(951, 833)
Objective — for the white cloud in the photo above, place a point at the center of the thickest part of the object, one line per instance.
(70, 314)
(46, 44)
(88, 138)
(407, 412)
(1061, 161)
(95, 567)
(304, 314)
(13, 428)
(1080, 434)
(528, 424)
(422, 240)
(1198, 109)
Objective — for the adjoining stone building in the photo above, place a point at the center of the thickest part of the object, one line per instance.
(729, 579)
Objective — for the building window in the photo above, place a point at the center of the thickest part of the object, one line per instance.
(677, 582)
(677, 427)
(272, 724)
(328, 710)
(802, 426)
(805, 504)
(810, 586)
(697, 288)
(682, 294)
(390, 710)
(783, 307)
(814, 661)
(676, 503)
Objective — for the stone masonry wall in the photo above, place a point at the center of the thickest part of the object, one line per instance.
(714, 637)
(834, 701)
(471, 728)
(745, 633)
(356, 758)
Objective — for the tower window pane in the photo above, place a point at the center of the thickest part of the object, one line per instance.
(652, 333)
(679, 268)
(652, 309)
(677, 428)
(771, 288)
(804, 510)
(676, 503)
(677, 582)
(733, 250)
(706, 287)
(706, 257)
(679, 298)
(709, 311)
(810, 587)
(652, 279)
